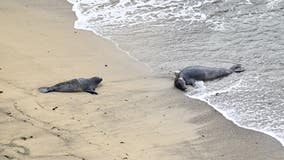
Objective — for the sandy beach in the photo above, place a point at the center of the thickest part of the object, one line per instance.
(137, 115)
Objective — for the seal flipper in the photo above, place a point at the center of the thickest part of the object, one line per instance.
(191, 82)
(92, 91)
(44, 89)
(237, 68)
(194, 85)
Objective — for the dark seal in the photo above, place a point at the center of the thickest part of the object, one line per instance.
(75, 85)
(191, 74)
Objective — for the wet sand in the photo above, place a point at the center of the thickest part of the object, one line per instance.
(137, 115)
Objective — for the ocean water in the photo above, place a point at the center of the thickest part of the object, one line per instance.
(167, 35)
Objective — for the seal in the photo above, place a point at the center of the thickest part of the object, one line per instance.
(75, 85)
(191, 74)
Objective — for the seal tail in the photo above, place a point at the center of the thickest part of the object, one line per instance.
(237, 68)
(44, 89)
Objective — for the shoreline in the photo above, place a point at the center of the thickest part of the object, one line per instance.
(129, 119)
(191, 97)
(237, 124)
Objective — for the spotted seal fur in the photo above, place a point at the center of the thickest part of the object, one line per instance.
(75, 85)
(191, 74)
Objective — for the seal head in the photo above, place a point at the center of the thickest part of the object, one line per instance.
(96, 80)
(180, 84)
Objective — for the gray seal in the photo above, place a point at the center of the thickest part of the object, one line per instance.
(191, 74)
(75, 85)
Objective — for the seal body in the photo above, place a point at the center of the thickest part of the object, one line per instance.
(75, 85)
(191, 74)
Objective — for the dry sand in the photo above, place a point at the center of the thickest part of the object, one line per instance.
(137, 115)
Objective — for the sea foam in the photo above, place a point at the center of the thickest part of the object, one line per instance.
(232, 34)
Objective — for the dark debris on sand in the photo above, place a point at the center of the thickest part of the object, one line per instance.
(8, 157)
